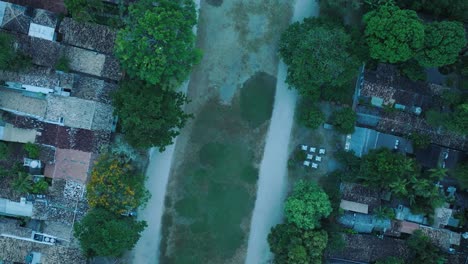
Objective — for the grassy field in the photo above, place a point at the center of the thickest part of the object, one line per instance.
(209, 215)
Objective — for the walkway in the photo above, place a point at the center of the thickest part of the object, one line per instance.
(272, 183)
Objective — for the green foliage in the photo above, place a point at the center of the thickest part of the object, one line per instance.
(256, 99)
(149, 116)
(40, 187)
(115, 185)
(157, 44)
(451, 97)
(436, 118)
(307, 205)
(420, 141)
(310, 115)
(413, 71)
(393, 35)
(32, 149)
(84, 10)
(461, 174)
(9, 58)
(390, 260)
(383, 212)
(442, 43)
(452, 9)
(23, 183)
(102, 233)
(4, 151)
(292, 245)
(344, 120)
(63, 64)
(423, 250)
(459, 119)
(7, 53)
(316, 52)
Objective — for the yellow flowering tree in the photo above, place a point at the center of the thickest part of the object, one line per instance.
(115, 185)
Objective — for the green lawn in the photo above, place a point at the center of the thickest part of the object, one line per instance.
(217, 178)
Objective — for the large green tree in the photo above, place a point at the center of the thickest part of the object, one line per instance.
(116, 185)
(461, 174)
(149, 116)
(158, 45)
(316, 52)
(452, 9)
(344, 120)
(459, 120)
(84, 10)
(442, 43)
(307, 205)
(101, 233)
(423, 250)
(292, 245)
(393, 35)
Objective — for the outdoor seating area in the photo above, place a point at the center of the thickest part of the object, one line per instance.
(313, 156)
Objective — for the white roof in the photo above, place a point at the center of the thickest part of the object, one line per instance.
(40, 31)
(322, 151)
(304, 147)
(354, 207)
(314, 165)
(312, 149)
(309, 156)
(11, 208)
(317, 158)
(306, 163)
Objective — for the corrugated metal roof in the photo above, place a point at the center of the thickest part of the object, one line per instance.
(354, 207)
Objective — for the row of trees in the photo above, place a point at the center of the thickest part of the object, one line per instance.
(115, 189)
(300, 239)
(156, 49)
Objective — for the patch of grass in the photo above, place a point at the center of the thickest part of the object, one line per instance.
(187, 207)
(256, 99)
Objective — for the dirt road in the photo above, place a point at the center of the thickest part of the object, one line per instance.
(272, 183)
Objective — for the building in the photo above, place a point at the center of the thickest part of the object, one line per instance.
(354, 207)
(364, 223)
(364, 139)
(392, 104)
(70, 165)
(356, 194)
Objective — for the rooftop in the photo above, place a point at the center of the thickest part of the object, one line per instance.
(354, 207)
(19, 18)
(443, 238)
(360, 194)
(55, 6)
(70, 165)
(365, 139)
(364, 223)
(407, 227)
(89, 36)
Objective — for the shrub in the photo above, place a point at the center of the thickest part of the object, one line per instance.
(32, 149)
(344, 120)
(63, 64)
(4, 151)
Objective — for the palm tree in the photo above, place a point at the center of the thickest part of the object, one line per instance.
(23, 183)
(438, 173)
(398, 187)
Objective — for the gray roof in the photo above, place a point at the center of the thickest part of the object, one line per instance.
(404, 213)
(363, 140)
(89, 36)
(18, 18)
(364, 223)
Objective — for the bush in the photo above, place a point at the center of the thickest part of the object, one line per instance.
(63, 64)
(40, 187)
(420, 141)
(32, 149)
(344, 120)
(4, 151)
(310, 116)
(413, 71)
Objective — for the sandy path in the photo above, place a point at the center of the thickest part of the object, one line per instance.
(272, 182)
(157, 173)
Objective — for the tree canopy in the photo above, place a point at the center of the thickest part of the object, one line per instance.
(452, 9)
(7, 53)
(316, 52)
(307, 205)
(82, 10)
(157, 44)
(292, 245)
(461, 174)
(115, 185)
(149, 116)
(423, 249)
(393, 35)
(101, 233)
(344, 120)
(442, 43)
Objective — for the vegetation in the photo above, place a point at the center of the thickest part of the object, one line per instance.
(32, 149)
(149, 116)
(393, 35)
(157, 44)
(344, 120)
(292, 245)
(390, 260)
(443, 42)
(115, 185)
(412, 70)
(84, 10)
(451, 9)
(23, 183)
(310, 115)
(423, 249)
(461, 174)
(316, 52)
(4, 151)
(420, 141)
(63, 64)
(459, 120)
(102, 233)
(307, 204)
(10, 59)
(253, 110)
(40, 187)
